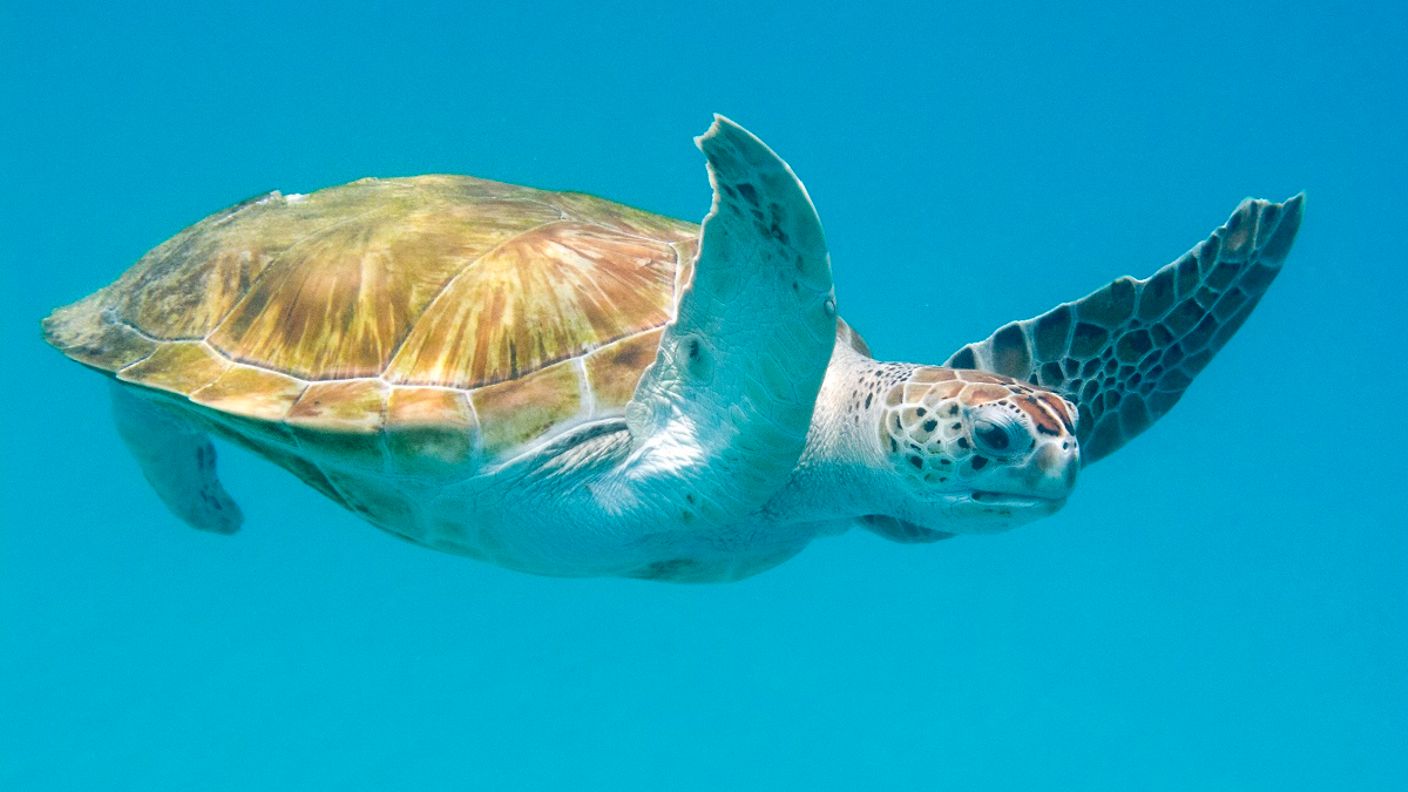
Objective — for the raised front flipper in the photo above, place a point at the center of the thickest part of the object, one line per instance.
(728, 401)
(1126, 353)
(177, 459)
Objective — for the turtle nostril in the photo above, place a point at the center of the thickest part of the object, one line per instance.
(1058, 469)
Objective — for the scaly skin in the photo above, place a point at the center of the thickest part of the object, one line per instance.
(578, 507)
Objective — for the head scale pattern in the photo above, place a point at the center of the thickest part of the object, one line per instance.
(945, 428)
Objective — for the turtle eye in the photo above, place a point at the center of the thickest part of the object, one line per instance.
(999, 433)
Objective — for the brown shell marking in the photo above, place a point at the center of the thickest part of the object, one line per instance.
(614, 370)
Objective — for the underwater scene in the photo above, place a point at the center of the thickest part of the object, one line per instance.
(381, 416)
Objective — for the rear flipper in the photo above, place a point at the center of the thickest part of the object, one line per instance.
(177, 459)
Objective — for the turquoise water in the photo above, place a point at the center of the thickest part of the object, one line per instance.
(1222, 605)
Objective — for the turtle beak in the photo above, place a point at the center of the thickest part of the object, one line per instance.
(1054, 468)
(1045, 477)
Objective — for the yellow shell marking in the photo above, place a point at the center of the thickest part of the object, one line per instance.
(182, 367)
(256, 393)
(514, 412)
(543, 296)
(339, 303)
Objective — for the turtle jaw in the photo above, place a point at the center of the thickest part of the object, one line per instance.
(1015, 500)
(1021, 493)
(977, 511)
(1005, 506)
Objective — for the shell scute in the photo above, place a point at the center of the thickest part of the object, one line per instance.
(182, 367)
(546, 295)
(339, 302)
(428, 429)
(357, 406)
(513, 413)
(187, 284)
(342, 420)
(252, 392)
(90, 339)
(622, 218)
(614, 370)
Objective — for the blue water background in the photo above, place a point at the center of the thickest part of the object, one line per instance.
(1222, 605)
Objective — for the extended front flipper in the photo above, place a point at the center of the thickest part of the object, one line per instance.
(728, 401)
(1126, 353)
(177, 459)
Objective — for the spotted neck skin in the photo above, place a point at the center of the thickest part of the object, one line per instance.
(940, 451)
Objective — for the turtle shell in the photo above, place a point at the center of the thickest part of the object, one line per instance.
(436, 318)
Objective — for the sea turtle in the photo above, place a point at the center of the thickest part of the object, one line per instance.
(567, 386)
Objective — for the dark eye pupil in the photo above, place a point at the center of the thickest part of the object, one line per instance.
(994, 437)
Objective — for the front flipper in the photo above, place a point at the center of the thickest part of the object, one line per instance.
(728, 401)
(1126, 353)
(177, 459)
(897, 530)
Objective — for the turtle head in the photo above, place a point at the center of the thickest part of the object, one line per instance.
(973, 451)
